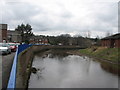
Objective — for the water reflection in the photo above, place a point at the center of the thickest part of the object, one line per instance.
(53, 54)
(69, 71)
(112, 68)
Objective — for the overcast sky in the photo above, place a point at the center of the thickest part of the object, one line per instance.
(55, 17)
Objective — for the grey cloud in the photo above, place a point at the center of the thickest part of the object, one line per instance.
(110, 15)
(105, 18)
(67, 15)
(17, 13)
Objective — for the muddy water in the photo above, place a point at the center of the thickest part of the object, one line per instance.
(60, 70)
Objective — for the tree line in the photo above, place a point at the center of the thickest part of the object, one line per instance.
(63, 39)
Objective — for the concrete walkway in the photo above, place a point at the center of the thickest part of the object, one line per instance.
(6, 61)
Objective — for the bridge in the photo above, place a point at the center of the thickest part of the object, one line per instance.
(20, 72)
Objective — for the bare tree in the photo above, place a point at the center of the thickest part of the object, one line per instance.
(88, 34)
(108, 33)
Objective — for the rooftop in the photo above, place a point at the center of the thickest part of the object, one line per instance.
(115, 36)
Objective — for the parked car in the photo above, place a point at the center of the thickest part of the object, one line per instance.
(4, 48)
(17, 44)
(13, 46)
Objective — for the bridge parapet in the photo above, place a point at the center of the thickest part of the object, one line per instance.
(12, 79)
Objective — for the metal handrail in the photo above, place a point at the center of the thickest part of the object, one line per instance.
(12, 79)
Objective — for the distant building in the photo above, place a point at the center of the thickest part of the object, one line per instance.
(38, 40)
(3, 32)
(111, 41)
(13, 36)
(9, 35)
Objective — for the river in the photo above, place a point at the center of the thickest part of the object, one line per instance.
(57, 69)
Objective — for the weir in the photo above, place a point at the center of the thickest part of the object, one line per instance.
(20, 72)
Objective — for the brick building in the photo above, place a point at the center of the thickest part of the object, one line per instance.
(111, 41)
(14, 36)
(3, 32)
(38, 40)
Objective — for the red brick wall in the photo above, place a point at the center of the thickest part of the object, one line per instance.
(4, 34)
(106, 43)
(3, 31)
(117, 43)
(110, 43)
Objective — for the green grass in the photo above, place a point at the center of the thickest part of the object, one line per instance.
(111, 54)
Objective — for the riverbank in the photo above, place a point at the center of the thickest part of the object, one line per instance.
(107, 54)
(109, 57)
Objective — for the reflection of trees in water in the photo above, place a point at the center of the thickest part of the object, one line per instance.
(38, 72)
(53, 53)
(58, 53)
(88, 63)
(42, 55)
(39, 75)
(112, 68)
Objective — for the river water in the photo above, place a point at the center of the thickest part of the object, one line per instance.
(61, 70)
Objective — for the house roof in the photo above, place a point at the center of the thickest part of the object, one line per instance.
(115, 36)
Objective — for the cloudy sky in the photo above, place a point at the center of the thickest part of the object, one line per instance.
(55, 17)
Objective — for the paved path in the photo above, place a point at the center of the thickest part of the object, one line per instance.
(6, 65)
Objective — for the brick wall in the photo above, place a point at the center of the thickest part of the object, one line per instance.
(111, 43)
(117, 43)
(3, 32)
(106, 43)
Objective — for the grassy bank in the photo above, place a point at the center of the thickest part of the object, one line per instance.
(109, 54)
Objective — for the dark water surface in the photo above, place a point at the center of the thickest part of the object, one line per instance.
(60, 70)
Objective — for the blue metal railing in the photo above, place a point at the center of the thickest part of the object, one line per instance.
(12, 79)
